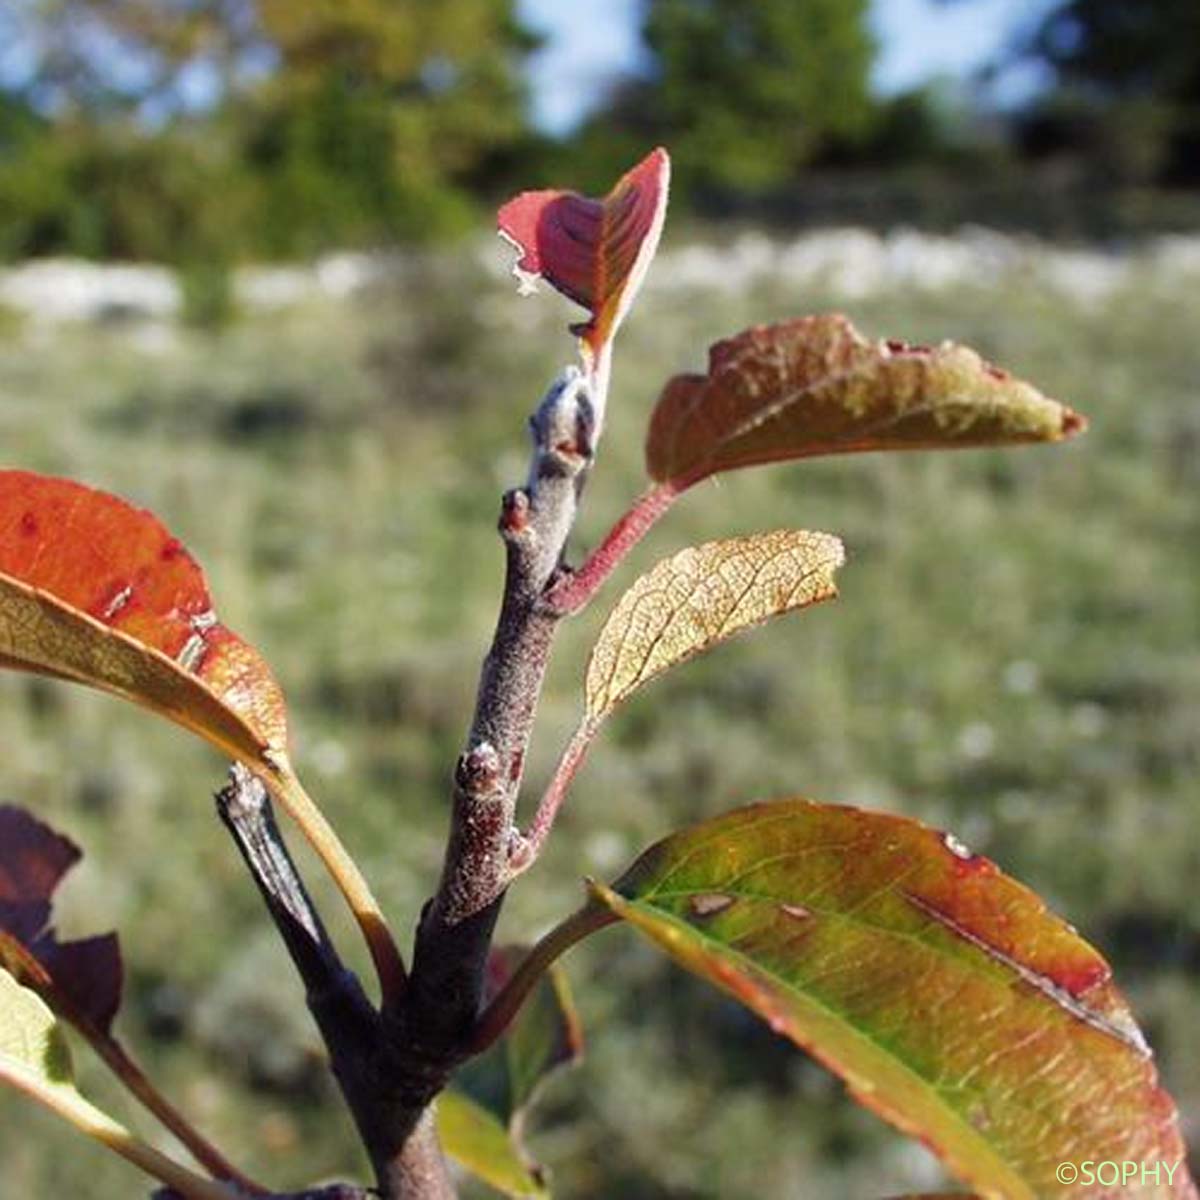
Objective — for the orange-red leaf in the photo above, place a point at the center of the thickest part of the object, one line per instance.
(816, 386)
(97, 591)
(594, 251)
(943, 993)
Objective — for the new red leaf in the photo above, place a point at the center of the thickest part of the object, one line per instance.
(596, 252)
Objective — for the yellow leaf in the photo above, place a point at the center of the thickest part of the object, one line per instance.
(476, 1140)
(701, 596)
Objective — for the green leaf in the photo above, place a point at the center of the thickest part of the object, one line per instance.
(545, 1036)
(35, 1059)
(943, 993)
(477, 1140)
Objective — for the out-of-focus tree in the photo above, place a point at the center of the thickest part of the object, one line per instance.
(380, 111)
(1131, 48)
(748, 91)
(1128, 85)
(745, 92)
(349, 122)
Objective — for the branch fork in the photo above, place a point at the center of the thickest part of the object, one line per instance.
(390, 1063)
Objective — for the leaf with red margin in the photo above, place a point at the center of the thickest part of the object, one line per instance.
(79, 979)
(99, 592)
(941, 991)
(596, 252)
(816, 386)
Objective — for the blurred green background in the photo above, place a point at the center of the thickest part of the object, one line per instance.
(1016, 653)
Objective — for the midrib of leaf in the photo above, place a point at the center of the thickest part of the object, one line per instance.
(1000, 964)
(973, 1136)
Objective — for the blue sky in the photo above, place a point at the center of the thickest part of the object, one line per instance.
(591, 41)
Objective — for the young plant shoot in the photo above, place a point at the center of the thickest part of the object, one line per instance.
(943, 993)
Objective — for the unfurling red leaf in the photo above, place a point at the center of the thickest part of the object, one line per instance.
(501, 1085)
(596, 252)
(97, 591)
(35, 1059)
(477, 1140)
(701, 596)
(943, 993)
(81, 980)
(816, 386)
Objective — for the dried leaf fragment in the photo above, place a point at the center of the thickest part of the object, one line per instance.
(82, 979)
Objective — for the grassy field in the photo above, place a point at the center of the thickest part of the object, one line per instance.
(1015, 657)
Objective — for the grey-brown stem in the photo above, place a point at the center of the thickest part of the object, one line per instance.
(446, 982)
(362, 1053)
